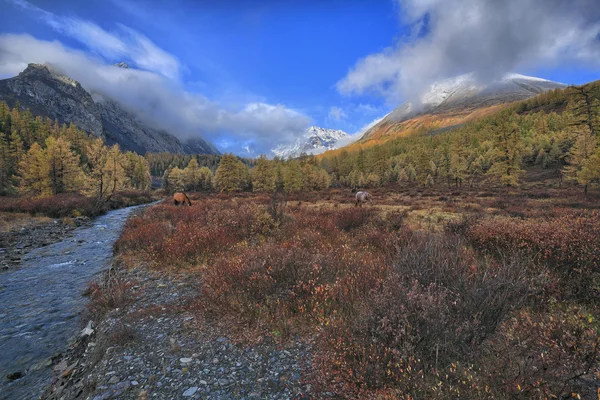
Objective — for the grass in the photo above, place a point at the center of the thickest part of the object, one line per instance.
(426, 293)
(15, 221)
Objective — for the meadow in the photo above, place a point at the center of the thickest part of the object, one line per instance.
(424, 293)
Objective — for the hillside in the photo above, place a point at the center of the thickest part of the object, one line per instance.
(49, 94)
(556, 130)
(453, 102)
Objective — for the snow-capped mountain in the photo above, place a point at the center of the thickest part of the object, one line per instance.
(314, 141)
(464, 92)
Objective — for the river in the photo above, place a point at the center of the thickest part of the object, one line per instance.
(41, 302)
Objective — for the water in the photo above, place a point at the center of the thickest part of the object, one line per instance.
(40, 302)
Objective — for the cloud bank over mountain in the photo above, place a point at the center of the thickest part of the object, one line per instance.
(485, 37)
(152, 89)
(157, 99)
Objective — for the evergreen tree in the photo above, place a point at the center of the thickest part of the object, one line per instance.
(264, 176)
(34, 172)
(584, 147)
(98, 178)
(206, 178)
(176, 180)
(191, 176)
(590, 170)
(507, 162)
(115, 168)
(232, 175)
(166, 182)
(64, 171)
(140, 177)
(292, 177)
(6, 172)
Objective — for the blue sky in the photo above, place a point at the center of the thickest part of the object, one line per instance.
(254, 74)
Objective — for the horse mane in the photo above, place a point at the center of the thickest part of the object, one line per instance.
(188, 199)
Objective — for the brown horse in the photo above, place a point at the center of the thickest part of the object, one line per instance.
(181, 198)
(362, 197)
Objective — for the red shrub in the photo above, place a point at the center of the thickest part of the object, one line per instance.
(570, 243)
(58, 206)
(545, 355)
(437, 305)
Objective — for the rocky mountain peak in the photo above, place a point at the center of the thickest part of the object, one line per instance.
(48, 93)
(35, 69)
(314, 140)
(122, 64)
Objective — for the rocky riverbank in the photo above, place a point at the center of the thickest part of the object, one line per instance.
(159, 347)
(24, 233)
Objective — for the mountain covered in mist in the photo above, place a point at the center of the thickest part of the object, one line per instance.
(49, 94)
(461, 97)
(315, 140)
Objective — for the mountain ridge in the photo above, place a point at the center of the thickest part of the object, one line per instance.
(462, 96)
(50, 94)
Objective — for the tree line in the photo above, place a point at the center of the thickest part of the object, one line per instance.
(233, 175)
(40, 157)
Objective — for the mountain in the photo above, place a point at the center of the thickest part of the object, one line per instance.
(49, 94)
(454, 101)
(315, 140)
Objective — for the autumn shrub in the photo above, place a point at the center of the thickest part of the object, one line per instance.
(57, 206)
(304, 279)
(111, 293)
(177, 236)
(72, 204)
(353, 218)
(570, 243)
(475, 311)
(436, 307)
(127, 198)
(545, 354)
(394, 220)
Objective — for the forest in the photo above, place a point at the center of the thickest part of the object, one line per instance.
(40, 157)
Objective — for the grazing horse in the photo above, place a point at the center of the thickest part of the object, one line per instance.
(362, 197)
(181, 198)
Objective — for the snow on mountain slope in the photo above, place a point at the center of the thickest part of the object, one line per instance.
(314, 141)
(464, 92)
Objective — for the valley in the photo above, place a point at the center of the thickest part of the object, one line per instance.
(258, 297)
(297, 200)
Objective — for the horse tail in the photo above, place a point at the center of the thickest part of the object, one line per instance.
(188, 200)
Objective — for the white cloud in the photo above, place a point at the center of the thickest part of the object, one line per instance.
(486, 37)
(158, 100)
(123, 44)
(336, 114)
(368, 108)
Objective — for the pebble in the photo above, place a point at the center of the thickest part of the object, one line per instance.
(191, 391)
(185, 361)
(173, 361)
